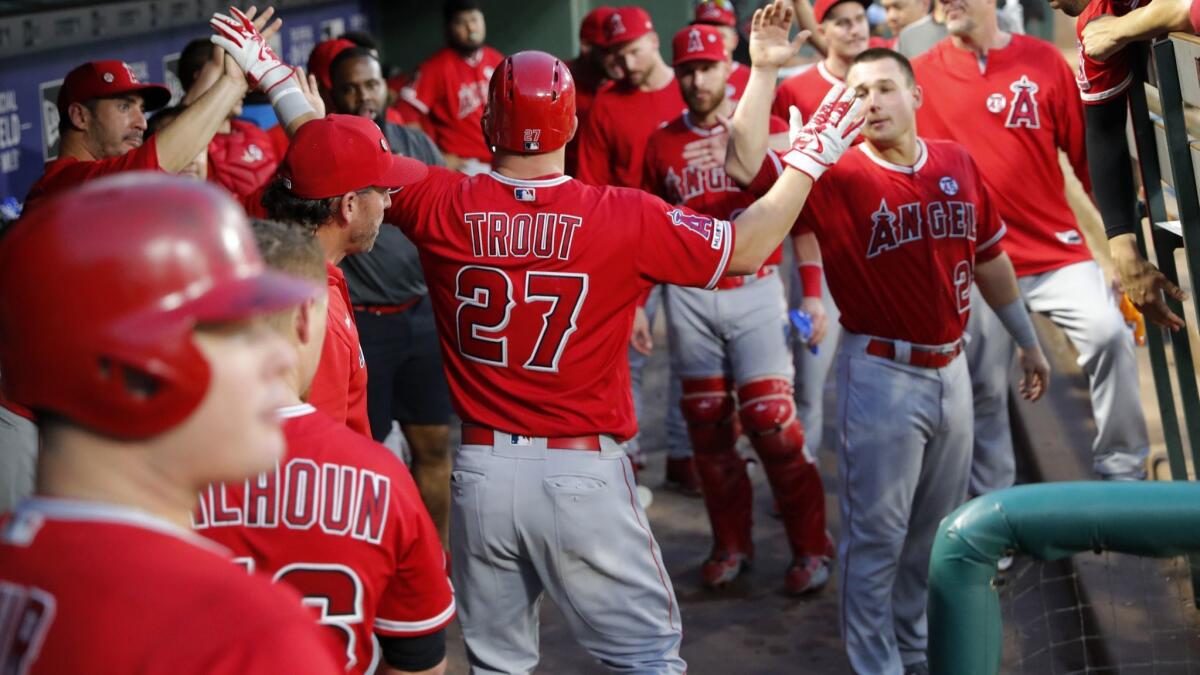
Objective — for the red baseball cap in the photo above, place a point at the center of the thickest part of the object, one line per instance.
(591, 31)
(322, 56)
(822, 7)
(626, 24)
(344, 153)
(698, 42)
(102, 79)
(716, 12)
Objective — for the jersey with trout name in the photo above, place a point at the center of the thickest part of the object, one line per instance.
(533, 285)
(340, 520)
(900, 243)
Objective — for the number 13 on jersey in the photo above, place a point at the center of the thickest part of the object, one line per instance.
(487, 297)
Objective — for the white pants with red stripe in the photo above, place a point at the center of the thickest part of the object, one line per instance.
(526, 522)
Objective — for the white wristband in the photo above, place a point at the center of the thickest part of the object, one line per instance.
(289, 102)
(804, 164)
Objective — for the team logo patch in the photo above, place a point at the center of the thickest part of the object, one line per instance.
(524, 194)
(948, 185)
(694, 43)
(253, 155)
(107, 77)
(995, 104)
(1069, 237)
(1024, 109)
(701, 225)
(532, 140)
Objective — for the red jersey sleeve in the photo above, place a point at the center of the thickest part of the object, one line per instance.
(593, 147)
(990, 225)
(768, 173)
(64, 173)
(679, 246)
(330, 391)
(424, 91)
(418, 600)
(413, 207)
(1069, 128)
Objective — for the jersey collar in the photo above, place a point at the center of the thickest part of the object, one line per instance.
(829, 77)
(531, 182)
(922, 156)
(287, 412)
(54, 508)
(698, 130)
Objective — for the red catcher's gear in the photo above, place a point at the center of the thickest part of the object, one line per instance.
(101, 288)
(531, 104)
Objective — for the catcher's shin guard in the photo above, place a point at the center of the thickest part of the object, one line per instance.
(768, 415)
(708, 408)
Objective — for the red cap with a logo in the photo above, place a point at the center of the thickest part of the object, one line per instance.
(626, 24)
(321, 58)
(103, 79)
(716, 13)
(344, 153)
(698, 42)
(822, 7)
(591, 31)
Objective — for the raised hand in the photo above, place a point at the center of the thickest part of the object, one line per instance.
(833, 127)
(239, 36)
(769, 43)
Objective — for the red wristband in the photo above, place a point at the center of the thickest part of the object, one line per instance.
(810, 279)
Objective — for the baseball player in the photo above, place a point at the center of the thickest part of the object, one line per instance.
(131, 323)
(1105, 30)
(732, 339)
(722, 15)
(905, 225)
(405, 380)
(536, 277)
(589, 72)
(843, 25)
(338, 517)
(1013, 115)
(450, 87)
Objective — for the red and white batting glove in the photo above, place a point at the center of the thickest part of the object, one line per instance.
(819, 144)
(238, 36)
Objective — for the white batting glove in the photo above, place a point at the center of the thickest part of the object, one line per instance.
(819, 144)
(238, 36)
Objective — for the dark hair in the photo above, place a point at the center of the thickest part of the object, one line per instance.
(282, 205)
(362, 38)
(453, 7)
(348, 54)
(192, 60)
(162, 118)
(64, 121)
(289, 249)
(881, 53)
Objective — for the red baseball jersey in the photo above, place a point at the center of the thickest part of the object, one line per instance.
(533, 285)
(1099, 81)
(588, 82)
(340, 520)
(242, 160)
(619, 124)
(65, 173)
(339, 388)
(739, 77)
(87, 587)
(900, 243)
(1013, 116)
(805, 91)
(450, 91)
(708, 191)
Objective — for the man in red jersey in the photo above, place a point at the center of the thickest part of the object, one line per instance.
(1106, 31)
(589, 72)
(1014, 105)
(153, 376)
(642, 98)
(905, 225)
(843, 25)
(336, 180)
(533, 277)
(731, 339)
(338, 518)
(450, 87)
(722, 15)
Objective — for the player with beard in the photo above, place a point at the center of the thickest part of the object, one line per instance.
(450, 88)
(405, 381)
(721, 15)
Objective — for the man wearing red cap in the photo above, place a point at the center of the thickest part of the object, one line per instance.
(588, 69)
(722, 15)
(534, 277)
(843, 25)
(450, 87)
(642, 98)
(732, 339)
(337, 179)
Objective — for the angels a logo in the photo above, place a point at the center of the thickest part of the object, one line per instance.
(615, 26)
(701, 225)
(1024, 109)
(253, 154)
(532, 139)
(694, 43)
(132, 75)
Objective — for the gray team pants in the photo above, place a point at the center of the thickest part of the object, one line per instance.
(1079, 301)
(526, 521)
(679, 446)
(18, 458)
(812, 370)
(904, 455)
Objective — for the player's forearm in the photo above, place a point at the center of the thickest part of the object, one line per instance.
(761, 228)
(1156, 18)
(1111, 166)
(808, 21)
(750, 126)
(807, 249)
(180, 141)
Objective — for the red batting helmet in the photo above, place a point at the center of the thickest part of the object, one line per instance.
(531, 104)
(101, 287)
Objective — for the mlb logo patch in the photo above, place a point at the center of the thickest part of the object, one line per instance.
(525, 194)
